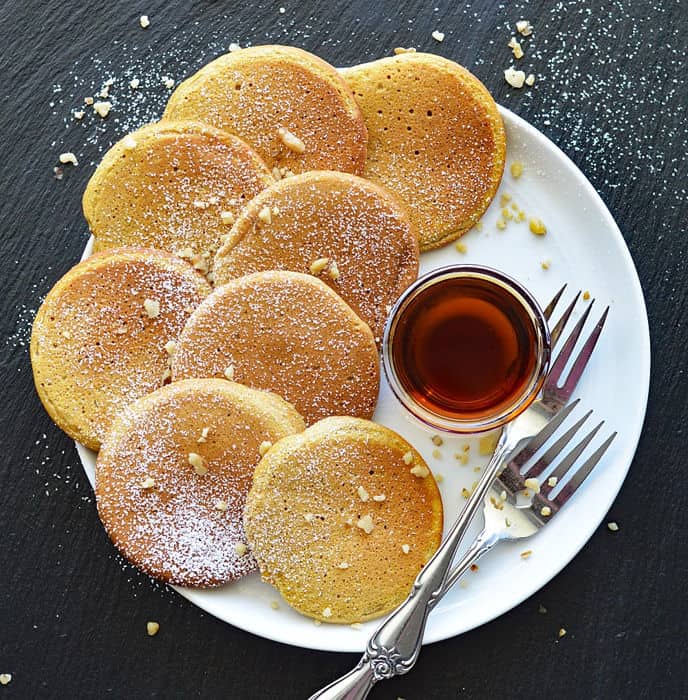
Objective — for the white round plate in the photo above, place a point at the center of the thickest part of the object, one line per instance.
(584, 248)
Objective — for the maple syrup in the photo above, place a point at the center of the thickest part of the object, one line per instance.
(466, 347)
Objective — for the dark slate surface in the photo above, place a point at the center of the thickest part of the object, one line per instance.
(612, 94)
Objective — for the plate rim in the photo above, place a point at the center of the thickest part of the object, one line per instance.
(540, 580)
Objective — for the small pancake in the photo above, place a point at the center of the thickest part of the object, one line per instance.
(284, 332)
(184, 526)
(358, 226)
(255, 92)
(167, 186)
(435, 139)
(320, 530)
(98, 340)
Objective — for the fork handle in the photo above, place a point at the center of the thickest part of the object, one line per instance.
(394, 647)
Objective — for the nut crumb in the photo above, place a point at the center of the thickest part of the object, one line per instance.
(542, 609)
(537, 226)
(198, 463)
(229, 372)
(148, 483)
(379, 498)
(552, 481)
(356, 625)
(79, 114)
(420, 471)
(170, 347)
(317, 266)
(343, 565)
(465, 493)
(436, 454)
(68, 157)
(152, 628)
(220, 505)
(144, 21)
(274, 605)
(362, 493)
(264, 447)
(134, 83)
(204, 435)
(561, 632)
(546, 264)
(545, 511)
(474, 567)
(400, 50)
(317, 623)
(408, 457)
(530, 80)
(488, 444)
(129, 142)
(88, 100)
(514, 77)
(291, 141)
(265, 215)
(439, 478)
(240, 548)
(515, 47)
(516, 169)
(526, 554)
(333, 271)
(200, 204)
(327, 612)
(586, 295)
(227, 218)
(309, 517)
(437, 440)
(501, 224)
(152, 307)
(461, 247)
(366, 524)
(437, 35)
(168, 82)
(102, 109)
(405, 548)
(524, 28)
(533, 484)
(612, 527)
(234, 47)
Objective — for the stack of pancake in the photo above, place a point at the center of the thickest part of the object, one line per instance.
(220, 349)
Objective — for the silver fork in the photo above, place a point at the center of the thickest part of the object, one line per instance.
(394, 647)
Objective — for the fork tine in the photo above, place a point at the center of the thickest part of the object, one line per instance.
(565, 353)
(556, 449)
(569, 460)
(547, 312)
(583, 472)
(538, 440)
(583, 357)
(556, 331)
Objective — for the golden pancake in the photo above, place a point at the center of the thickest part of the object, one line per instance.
(175, 510)
(98, 340)
(435, 139)
(177, 186)
(341, 519)
(291, 106)
(284, 332)
(348, 231)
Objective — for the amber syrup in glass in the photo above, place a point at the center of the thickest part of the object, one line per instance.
(464, 348)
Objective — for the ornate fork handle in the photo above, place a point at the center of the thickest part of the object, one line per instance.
(395, 645)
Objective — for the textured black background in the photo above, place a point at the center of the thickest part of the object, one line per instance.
(611, 92)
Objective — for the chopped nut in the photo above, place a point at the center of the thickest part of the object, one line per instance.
(465, 493)
(542, 609)
(234, 47)
(68, 157)
(170, 347)
(379, 498)
(436, 453)
(474, 567)
(530, 80)
(405, 548)
(317, 623)
(516, 169)
(438, 36)
(168, 82)
(439, 478)
(488, 443)
(264, 447)
(327, 612)
(399, 50)
(292, 142)
(333, 271)
(343, 565)
(265, 215)
(274, 605)
(152, 307)
(515, 47)
(66, 334)
(526, 554)
(546, 264)
(437, 440)
(537, 227)
(240, 548)
(561, 633)
(408, 457)
(533, 484)
(227, 218)
(134, 83)
(129, 142)
(79, 114)
(152, 628)
(514, 77)
(523, 27)
(317, 266)
(220, 505)
(204, 435)
(102, 109)
(356, 625)
(461, 247)
(507, 215)
(552, 481)
(545, 511)
(613, 527)
(586, 295)
(362, 493)
(144, 21)
(366, 524)
(198, 463)
(88, 100)
(148, 483)
(420, 471)
(501, 224)
(309, 517)
(200, 204)
(229, 372)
